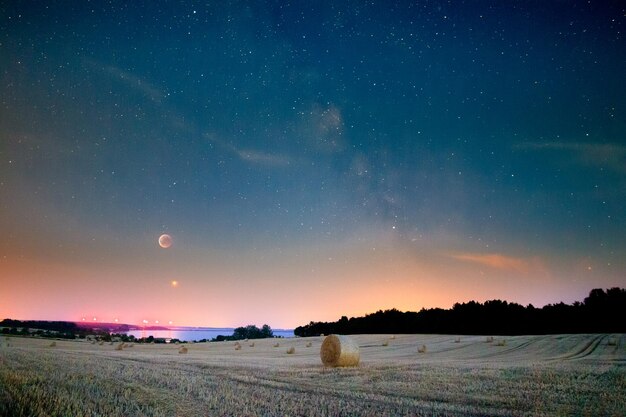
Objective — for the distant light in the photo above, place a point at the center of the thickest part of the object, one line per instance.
(174, 284)
(145, 321)
(95, 319)
(83, 319)
(115, 320)
(171, 322)
(157, 322)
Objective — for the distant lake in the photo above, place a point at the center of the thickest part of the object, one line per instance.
(195, 334)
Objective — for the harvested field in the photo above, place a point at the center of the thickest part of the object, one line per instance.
(554, 375)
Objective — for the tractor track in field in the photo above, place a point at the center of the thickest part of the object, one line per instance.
(585, 351)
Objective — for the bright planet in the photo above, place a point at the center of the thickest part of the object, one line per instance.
(165, 241)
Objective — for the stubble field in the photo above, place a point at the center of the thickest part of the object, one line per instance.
(555, 375)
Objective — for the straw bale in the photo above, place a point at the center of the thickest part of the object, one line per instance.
(339, 350)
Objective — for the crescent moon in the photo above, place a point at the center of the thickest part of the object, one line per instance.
(165, 241)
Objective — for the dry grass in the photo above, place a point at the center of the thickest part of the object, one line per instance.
(554, 375)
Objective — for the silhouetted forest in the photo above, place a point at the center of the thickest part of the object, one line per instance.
(62, 329)
(601, 312)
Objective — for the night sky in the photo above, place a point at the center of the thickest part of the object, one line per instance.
(309, 159)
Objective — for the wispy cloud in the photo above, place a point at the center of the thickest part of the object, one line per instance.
(499, 261)
(129, 79)
(606, 155)
(252, 156)
(155, 94)
(263, 158)
(136, 83)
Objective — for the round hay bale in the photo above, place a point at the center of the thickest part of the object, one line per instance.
(338, 350)
(252, 344)
(386, 343)
(53, 344)
(237, 347)
(421, 349)
(276, 344)
(120, 346)
(182, 349)
(291, 350)
(309, 344)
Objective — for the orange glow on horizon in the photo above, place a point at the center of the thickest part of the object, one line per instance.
(258, 287)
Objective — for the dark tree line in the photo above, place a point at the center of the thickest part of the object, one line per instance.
(39, 328)
(57, 326)
(601, 312)
(248, 332)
